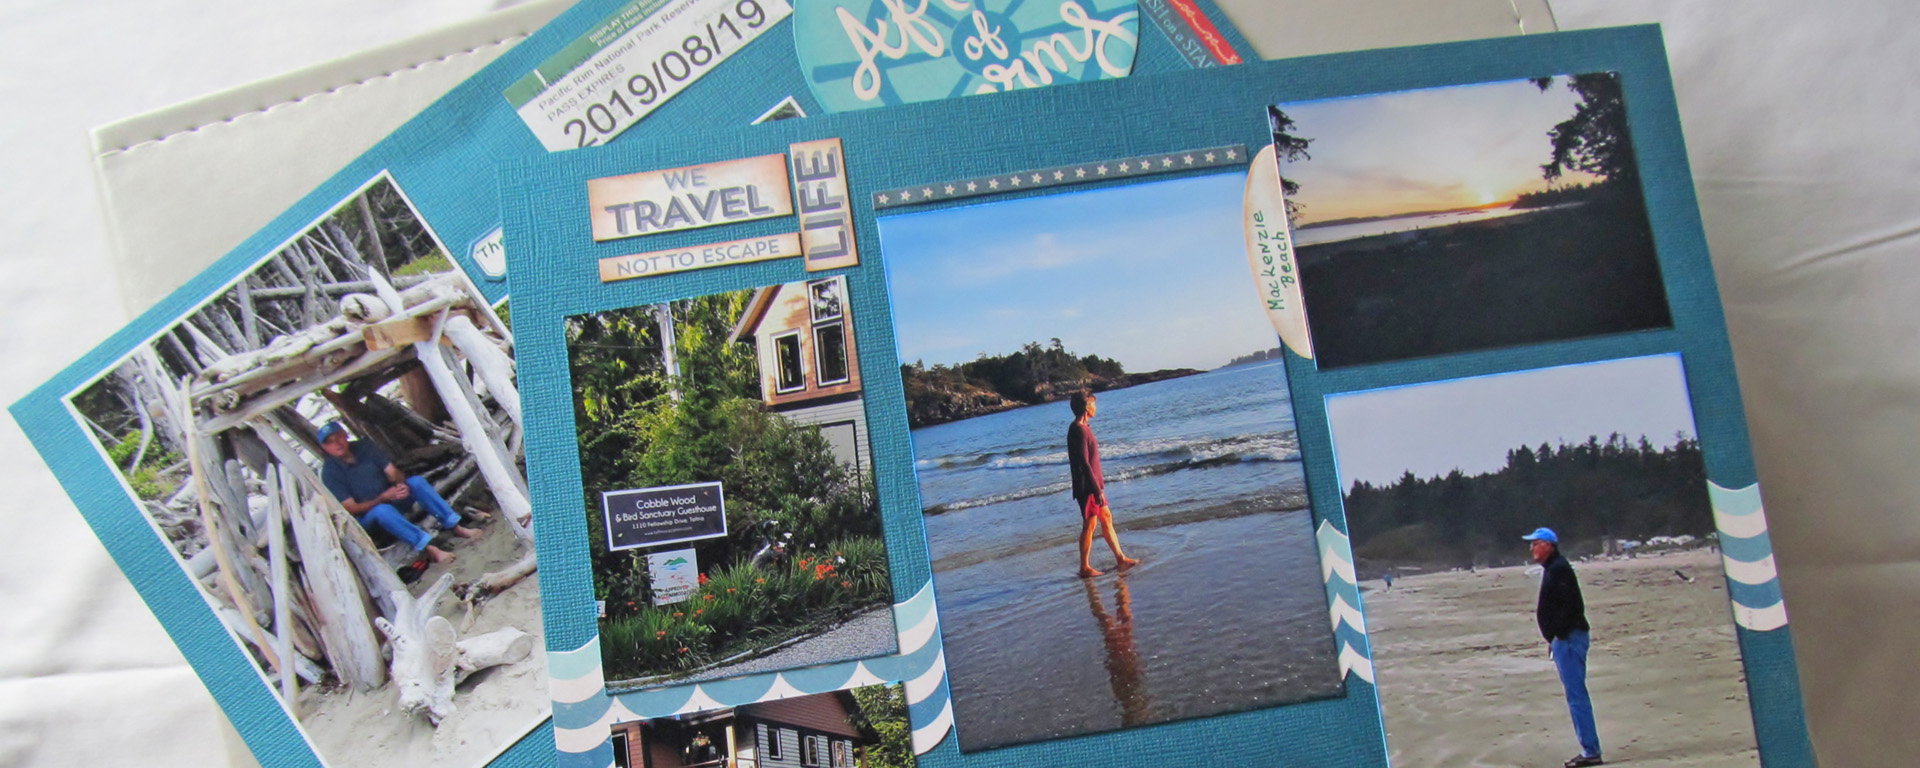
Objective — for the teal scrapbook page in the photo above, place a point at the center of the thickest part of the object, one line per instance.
(309, 460)
(1366, 409)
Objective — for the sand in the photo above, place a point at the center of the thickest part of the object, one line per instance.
(1465, 679)
(495, 707)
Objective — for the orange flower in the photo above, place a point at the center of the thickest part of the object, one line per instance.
(683, 650)
(731, 589)
(703, 578)
(700, 611)
(846, 583)
(677, 614)
(761, 580)
(709, 597)
(661, 633)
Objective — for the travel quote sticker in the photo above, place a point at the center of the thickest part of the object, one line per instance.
(858, 54)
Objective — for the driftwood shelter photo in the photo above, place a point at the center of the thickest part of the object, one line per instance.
(728, 485)
(330, 445)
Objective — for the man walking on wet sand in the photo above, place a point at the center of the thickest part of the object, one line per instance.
(1090, 486)
(1562, 615)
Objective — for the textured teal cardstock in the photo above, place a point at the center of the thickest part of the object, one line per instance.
(443, 162)
(553, 271)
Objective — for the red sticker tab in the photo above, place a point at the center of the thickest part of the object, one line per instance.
(1204, 29)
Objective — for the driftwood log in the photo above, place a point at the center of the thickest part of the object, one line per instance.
(430, 658)
(345, 628)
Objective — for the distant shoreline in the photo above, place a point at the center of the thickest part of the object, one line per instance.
(981, 407)
(1407, 215)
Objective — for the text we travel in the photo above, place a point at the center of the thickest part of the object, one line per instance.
(690, 208)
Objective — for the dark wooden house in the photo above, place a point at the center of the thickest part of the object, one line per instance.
(816, 731)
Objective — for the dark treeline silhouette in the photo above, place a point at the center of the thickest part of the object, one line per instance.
(1255, 357)
(1584, 491)
(1571, 193)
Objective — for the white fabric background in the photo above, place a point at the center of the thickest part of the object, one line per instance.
(1799, 119)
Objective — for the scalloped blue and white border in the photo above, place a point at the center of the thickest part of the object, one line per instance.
(583, 713)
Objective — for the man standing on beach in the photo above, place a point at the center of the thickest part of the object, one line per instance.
(1562, 615)
(1090, 485)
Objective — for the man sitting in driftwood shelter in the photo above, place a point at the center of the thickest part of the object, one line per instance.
(370, 486)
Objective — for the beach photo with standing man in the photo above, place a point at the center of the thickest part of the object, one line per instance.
(1107, 462)
(1540, 571)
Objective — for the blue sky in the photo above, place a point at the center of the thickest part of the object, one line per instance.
(1430, 429)
(1425, 150)
(1152, 274)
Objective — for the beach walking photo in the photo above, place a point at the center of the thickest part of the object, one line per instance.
(330, 447)
(1470, 217)
(1109, 473)
(1540, 572)
(733, 522)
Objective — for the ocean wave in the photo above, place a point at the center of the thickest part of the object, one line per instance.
(1024, 493)
(1176, 455)
(1280, 447)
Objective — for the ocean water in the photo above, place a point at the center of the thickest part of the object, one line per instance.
(1226, 612)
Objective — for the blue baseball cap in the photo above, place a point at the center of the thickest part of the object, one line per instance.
(1539, 534)
(333, 428)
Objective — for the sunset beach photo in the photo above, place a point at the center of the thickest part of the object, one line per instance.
(1080, 357)
(1474, 217)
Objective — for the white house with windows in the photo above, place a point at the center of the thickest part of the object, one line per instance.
(809, 361)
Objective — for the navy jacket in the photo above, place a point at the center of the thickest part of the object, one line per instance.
(1561, 610)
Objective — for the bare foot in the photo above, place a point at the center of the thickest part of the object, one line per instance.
(438, 555)
(1088, 572)
(467, 533)
(1128, 562)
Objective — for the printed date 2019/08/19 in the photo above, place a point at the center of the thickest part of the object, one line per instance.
(667, 73)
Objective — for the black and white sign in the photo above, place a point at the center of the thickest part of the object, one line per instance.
(647, 517)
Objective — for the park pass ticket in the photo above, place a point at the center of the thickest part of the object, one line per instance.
(641, 56)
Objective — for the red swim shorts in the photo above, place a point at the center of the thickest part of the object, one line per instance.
(1090, 507)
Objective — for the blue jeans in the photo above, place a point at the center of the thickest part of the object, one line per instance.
(387, 518)
(1570, 657)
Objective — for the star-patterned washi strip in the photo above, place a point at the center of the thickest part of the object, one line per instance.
(1062, 175)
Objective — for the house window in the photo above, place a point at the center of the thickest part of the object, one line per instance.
(770, 742)
(825, 296)
(841, 752)
(830, 345)
(813, 750)
(620, 757)
(786, 361)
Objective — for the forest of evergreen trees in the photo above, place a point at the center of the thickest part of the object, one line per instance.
(1034, 374)
(1584, 491)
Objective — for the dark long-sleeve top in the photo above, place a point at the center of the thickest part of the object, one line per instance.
(1083, 457)
(1561, 610)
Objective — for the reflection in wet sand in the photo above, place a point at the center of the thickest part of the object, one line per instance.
(1123, 660)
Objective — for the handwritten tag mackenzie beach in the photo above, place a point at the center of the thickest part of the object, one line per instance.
(689, 198)
(1270, 254)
